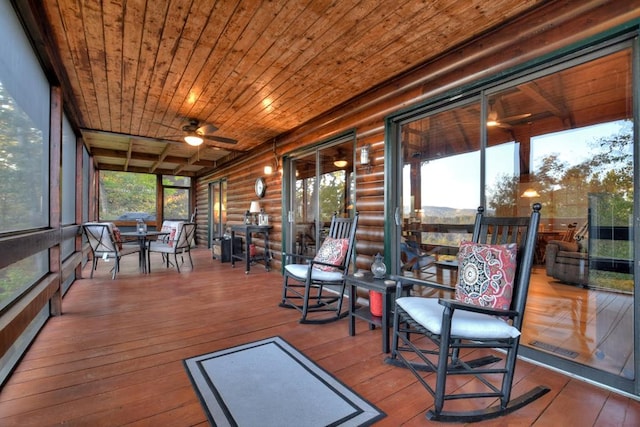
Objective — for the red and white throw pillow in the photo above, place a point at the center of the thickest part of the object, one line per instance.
(486, 273)
(333, 252)
(172, 235)
(117, 236)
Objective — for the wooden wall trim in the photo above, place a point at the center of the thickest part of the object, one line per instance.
(16, 320)
(69, 266)
(18, 247)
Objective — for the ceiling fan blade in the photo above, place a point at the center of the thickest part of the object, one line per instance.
(206, 129)
(515, 117)
(220, 139)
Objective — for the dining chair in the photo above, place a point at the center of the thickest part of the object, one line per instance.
(434, 338)
(174, 246)
(105, 245)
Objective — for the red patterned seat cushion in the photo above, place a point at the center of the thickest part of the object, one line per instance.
(486, 274)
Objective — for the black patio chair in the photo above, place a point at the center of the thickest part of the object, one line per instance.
(318, 285)
(480, 317)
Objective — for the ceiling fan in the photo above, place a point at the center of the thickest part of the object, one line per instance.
(195, 133)
(494, 119)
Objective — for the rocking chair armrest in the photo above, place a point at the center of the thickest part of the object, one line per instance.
(458, 305)
(288, 255)
(314, 262)
(403, 281)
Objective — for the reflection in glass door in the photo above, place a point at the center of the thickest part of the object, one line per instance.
(321, 183)
(218, 212)
(578, 163)
(562, 137)
(440, 190)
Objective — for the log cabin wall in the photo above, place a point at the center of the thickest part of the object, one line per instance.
(549, 29)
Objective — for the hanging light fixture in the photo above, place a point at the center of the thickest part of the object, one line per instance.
(193, 139)
(530, 192)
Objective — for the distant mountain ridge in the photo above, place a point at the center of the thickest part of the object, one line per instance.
(445, 212)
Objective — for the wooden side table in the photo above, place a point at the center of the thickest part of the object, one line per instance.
(248, 230)
(387, 288)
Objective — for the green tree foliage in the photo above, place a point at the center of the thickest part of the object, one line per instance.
(565, 188)
(122, 192)
(23, 171)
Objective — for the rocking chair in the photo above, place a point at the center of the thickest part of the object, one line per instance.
(430, 334)
(322, 275)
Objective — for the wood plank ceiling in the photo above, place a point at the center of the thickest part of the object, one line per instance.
(138, 70)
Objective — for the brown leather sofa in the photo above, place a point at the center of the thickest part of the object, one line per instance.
(565, 262)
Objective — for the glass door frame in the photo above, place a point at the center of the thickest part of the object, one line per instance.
(289, 188)
(608, 44)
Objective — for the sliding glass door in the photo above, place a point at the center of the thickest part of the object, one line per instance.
(320, 183)
(564, 136)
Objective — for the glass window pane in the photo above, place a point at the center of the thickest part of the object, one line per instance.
(18, 277)
(441, 189)
(176, 181)
(126, 196)
(68, 174)
(572, 151)
(176, 204)
(24, 130)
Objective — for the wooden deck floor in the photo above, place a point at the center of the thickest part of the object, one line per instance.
(115, 356)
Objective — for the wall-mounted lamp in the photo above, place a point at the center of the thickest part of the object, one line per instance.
(275, 166)
(364, 155)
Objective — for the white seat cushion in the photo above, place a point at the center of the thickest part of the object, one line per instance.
(465, 324)
(299, 271)
(167, 248)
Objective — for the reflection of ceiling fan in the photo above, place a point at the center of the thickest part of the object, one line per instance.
(494, 119)
(195, 133)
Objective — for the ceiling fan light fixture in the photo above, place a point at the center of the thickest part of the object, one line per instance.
(193, 139)
(340, 163)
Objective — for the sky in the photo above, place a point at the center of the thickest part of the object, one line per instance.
(455, 181)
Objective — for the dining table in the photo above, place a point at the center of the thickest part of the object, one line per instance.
(143, 237)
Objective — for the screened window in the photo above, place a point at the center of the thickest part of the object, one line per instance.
(175, 203)
(24, 130)
(126, 196)
(24, 151)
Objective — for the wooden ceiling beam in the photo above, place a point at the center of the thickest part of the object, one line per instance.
(119, 154)
(161, 158)
(137, 169)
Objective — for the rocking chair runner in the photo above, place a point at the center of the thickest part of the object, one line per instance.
(322, 275)
(457, 326)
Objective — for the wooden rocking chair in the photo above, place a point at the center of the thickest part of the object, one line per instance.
(318, 285)
(453, 328)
